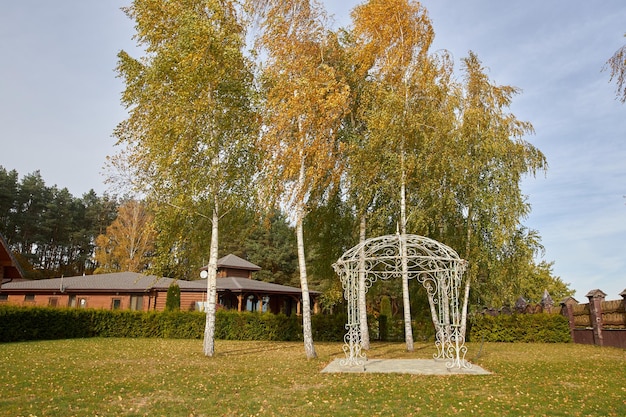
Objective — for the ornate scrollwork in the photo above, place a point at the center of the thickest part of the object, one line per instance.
(436, 266)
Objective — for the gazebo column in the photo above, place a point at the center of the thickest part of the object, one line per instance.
(240, 302)
(355, 356)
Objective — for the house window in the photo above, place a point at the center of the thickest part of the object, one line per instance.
(53, 301)
(82, 302)
(252, 303)
(4, 297)
(29, 298)
(72, 301)
(116, 304)
(136, 302)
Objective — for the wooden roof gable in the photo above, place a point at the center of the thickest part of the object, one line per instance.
(235, 262)
(10, 268)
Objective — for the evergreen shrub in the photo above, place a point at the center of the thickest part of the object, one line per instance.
(328, 327)
(44, 323)
(383, 328)
(34, 323)
(530, 328)
(233, 325)
(392, 328)
(172, 300)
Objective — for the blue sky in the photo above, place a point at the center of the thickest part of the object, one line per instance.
(59, 103)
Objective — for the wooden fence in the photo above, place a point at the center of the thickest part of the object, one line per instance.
(598, 322)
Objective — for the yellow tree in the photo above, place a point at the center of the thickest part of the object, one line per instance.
(128, 243)
(304, 102)
(391, 41)
(190, 131)
(491, 157)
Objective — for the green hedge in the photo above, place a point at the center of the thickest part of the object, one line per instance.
(392, 329)
(232, 325)
(544, 328)
(168, 324)
(26, 323)
(44, 323)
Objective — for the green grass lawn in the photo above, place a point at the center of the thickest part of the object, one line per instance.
(157, 377)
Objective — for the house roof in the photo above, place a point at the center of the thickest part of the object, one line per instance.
(114, 282)
(235, 262)
(135, 282)
(12, 269)
(238, 285)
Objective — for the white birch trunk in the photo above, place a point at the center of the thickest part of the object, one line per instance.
(307, 331)
(468, 274)
(464, 311)
(444, 299)
(433, 312)
(406, 303)
(309, 348)
(365, 335)
(209, 330)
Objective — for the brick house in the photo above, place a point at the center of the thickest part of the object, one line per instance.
(236, 289)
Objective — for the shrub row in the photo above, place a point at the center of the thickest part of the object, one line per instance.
(22, 323)
(46, 323)
(392, 329)
(543, 327)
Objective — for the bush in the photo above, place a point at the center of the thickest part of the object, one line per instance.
(232, 325)
(172, 300)
(328, 328)
(26, 323)
(392, 328)
(44, 323)
(383, 328)
(116, 323)
(545, 328)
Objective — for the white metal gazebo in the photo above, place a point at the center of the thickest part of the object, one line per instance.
(436, 266)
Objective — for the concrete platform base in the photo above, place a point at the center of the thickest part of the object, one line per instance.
(404, 366)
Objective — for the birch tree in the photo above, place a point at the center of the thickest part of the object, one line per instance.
(189, 134)
(362, 183)
(392, 40)
(304, 102)
(492, 156)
